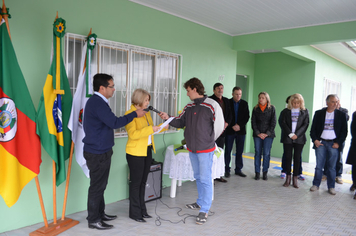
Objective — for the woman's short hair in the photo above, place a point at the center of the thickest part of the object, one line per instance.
(195, 83)
(138, 97)
(296, 97)
(267, 98)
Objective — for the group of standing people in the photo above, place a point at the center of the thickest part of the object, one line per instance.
(208, 121)
(328, 133)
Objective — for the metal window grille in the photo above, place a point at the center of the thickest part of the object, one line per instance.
(132, 67)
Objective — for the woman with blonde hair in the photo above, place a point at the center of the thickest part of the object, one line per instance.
(139, 148)
(294, 122)
(263, 123)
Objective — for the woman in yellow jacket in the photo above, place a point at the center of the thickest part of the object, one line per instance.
(139, 154)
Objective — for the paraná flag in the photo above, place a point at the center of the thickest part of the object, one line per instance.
(81, 96)
(54, 107)
(20, 147)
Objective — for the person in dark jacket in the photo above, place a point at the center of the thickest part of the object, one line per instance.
(294, 121)
(99, 124)
(339, 163)
(351, 156)
(236, 131)
(224, 103)
(328, 132)
(203, 120)
(263, 124)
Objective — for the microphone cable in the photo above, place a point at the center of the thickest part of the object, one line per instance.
(159, 219)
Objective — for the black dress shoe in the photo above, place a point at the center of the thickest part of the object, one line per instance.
(240, 174)
(106, 217)
(99, 225)
(141, 220)
(227, 175)
(221, 179)
(146, 216)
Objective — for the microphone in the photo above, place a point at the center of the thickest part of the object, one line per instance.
(179, 148)
(153, 109)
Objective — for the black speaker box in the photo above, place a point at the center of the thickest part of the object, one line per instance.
(154, 182)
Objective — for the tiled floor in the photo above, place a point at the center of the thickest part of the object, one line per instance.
(243, 206)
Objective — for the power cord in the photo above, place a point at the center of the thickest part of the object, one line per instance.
(159, 219)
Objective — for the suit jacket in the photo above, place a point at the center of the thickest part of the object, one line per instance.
(285, 122)
(227, 112)
(242, 117)
(340, 126)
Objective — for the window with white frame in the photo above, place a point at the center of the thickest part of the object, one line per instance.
(132, 67)
(331, 87)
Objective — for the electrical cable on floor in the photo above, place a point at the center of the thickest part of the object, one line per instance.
(158, 220)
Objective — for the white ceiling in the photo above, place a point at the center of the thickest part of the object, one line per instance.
(239, 17)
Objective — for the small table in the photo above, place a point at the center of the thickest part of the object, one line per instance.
(178, 167)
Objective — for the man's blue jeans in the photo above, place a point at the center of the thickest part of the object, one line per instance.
(339, 162)
(262, 147)
(326, 155)
(202, 164)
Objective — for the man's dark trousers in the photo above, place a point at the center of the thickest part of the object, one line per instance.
(229, 142)
(99, 167)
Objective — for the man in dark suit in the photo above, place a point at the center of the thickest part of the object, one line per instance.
(224, 104)
(328, 132)
(236, 131)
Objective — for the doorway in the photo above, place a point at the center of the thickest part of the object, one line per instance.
(241, 81)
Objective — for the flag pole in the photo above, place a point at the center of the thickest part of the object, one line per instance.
(57, 226)
(70, 165)
(41, 202)
(67, 181)
(5, 16)
(54, 194)
(54, 180)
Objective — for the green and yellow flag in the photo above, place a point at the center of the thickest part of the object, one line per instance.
(55, 107)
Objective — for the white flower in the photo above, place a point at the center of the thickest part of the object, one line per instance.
(92, 41)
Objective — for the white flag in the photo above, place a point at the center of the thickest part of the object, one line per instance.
(80, 98)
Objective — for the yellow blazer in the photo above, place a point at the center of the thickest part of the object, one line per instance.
(138, 132)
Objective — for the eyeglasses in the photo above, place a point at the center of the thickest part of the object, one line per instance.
(111, 86)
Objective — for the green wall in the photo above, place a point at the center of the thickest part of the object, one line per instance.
(281, 75)
(273, 72)
(329, 68)
(207, 54)
(246, 66)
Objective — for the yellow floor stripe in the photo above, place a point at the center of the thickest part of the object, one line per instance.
(304, 172)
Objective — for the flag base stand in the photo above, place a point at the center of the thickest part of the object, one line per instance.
(55, 229)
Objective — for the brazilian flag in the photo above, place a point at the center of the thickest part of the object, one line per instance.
(55, 107)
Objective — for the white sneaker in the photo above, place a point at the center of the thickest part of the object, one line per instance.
(332, 191)
(314, 188)
(339, 180)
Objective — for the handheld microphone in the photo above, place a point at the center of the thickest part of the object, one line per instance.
(153, 109)
(179, 148)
